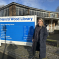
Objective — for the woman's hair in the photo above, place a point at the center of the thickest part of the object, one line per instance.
(42, 21)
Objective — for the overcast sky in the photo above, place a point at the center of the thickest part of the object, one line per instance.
(49, 5)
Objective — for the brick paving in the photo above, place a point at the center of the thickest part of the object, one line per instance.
(25, 52)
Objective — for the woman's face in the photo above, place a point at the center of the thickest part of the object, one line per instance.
(40, 22)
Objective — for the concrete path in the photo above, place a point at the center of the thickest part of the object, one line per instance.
(13, 51)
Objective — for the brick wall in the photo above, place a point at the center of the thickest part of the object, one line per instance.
(12, 10)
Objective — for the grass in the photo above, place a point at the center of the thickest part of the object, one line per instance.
(53, 39)
(52, 42)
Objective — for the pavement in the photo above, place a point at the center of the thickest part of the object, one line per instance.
(4, 56)
(12, 51)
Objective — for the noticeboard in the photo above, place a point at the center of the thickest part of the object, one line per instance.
(17, 29)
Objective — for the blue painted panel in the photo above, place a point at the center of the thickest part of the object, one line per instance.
(17, 31)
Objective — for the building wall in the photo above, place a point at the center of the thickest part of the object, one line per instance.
(12, 10)
(18, 11)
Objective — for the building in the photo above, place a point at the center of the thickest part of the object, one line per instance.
(15, 9)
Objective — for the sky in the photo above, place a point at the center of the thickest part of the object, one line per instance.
(50, 5)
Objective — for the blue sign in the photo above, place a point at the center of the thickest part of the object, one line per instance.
(17, 28)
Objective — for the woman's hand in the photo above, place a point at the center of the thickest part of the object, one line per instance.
(32, 40)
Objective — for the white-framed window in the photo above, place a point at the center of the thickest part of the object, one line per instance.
(56, 15)
(40, 13)
(43, 14)
(22, 11)
(47, 14)
(0, 13)
(25, 11)
(17, 11)
(35, 12)
(4, 12)
(7, 11)
(51, 14)
(30, 12)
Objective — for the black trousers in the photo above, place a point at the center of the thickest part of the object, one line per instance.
(38, 46)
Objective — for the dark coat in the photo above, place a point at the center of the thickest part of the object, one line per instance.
(43, 36)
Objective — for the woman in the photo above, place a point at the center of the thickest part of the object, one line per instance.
(39, 39)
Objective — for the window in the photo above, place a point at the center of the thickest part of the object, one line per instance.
(51, 14)
(55, 15)
(39, 13)
(43, 14)
(47, 14)
(35, 12)
(21, 11)
(26, 11)
(30, 12)
(6, 12)
(17, 11)
(0, 13)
